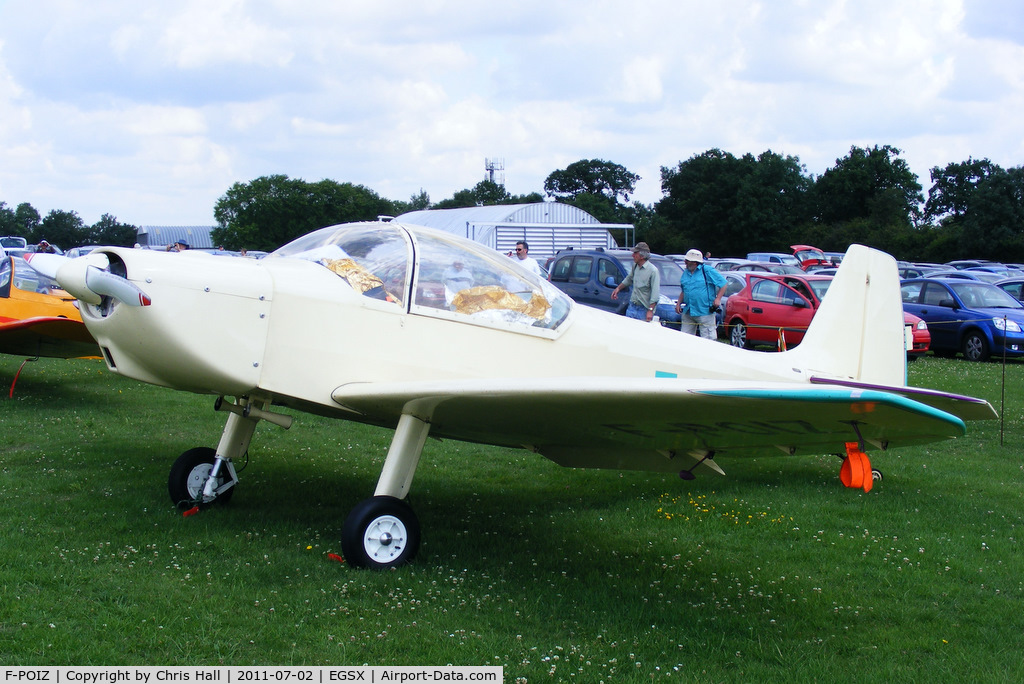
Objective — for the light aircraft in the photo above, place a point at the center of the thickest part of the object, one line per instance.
(36, 319)
(354, 322)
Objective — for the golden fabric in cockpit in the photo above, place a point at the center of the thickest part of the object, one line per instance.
(357, 276)
(361, 280)
(485, 297)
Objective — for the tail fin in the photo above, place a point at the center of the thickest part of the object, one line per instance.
(857, 333)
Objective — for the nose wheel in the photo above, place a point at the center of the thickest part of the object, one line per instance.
(380, 532)
(189, 475)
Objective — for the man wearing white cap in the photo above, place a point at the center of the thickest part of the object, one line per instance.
(701, 288)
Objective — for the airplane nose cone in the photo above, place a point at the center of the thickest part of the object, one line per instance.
(72, 276)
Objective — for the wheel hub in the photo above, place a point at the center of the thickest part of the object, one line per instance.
(385, 538)
(197, 480)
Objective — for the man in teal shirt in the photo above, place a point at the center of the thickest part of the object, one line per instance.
(701, 288)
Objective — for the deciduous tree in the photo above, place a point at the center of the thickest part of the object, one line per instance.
(592, 177)
(954, 186)
(109, 231)
(63, 228)
(993, 225)
(717, 202)
(270, 211)
(486, 193)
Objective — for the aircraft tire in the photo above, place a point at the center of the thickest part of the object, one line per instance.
(188, 475)
(380, 532)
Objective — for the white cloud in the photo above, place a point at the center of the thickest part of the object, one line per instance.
(150, 112)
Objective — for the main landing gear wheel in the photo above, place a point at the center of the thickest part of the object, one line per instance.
(380, 532)
(188, 477)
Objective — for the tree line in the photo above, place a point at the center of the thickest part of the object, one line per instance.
(714, 201)
(63, 228)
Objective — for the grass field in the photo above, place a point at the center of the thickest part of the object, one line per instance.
(774, 573)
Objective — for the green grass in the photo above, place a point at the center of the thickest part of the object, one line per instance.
(774, 573)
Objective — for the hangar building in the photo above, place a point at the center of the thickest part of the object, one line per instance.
(547, 226)
(197, 237)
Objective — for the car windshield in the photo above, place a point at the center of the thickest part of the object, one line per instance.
(983, 296)
(669, 270)
(820, 287)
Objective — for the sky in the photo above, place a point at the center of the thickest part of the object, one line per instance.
(151, 111)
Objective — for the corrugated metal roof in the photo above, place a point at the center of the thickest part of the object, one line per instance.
(459, 221)
(547, 226)
(197, 237)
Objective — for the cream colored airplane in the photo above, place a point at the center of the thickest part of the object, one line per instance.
(400, 326)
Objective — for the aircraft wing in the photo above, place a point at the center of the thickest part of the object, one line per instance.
(648, 423)
(47, 336)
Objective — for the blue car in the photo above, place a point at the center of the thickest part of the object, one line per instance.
(968, 316)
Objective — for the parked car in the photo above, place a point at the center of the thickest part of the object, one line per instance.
(922, 337)
(809, 257)
(728, 263)
(965, 274)
(82, 250)
(911, 271)
(588, 276)
(968, 316)
(1013, 286)
(770, 267)
(734, 282)
(774, 258)
(964, 263)
(13, 242)
(951, 273)
(769, 305)
(993, 270)
(835, 257)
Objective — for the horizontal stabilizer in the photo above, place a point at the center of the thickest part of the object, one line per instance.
(963, 407)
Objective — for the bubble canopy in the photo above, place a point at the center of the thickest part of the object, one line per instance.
(433, 273)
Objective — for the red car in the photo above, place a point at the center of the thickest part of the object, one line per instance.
(775, 310)
(810, 256)
(922, 337)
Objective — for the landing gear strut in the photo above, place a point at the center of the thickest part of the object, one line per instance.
(382, 531)
(203, 475)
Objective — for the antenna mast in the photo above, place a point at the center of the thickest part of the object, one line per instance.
(495, 171)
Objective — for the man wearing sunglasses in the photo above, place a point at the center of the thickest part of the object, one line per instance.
(525, 260)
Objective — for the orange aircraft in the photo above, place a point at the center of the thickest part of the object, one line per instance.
(37, 318)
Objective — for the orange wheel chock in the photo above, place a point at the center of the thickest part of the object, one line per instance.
(856, 470)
